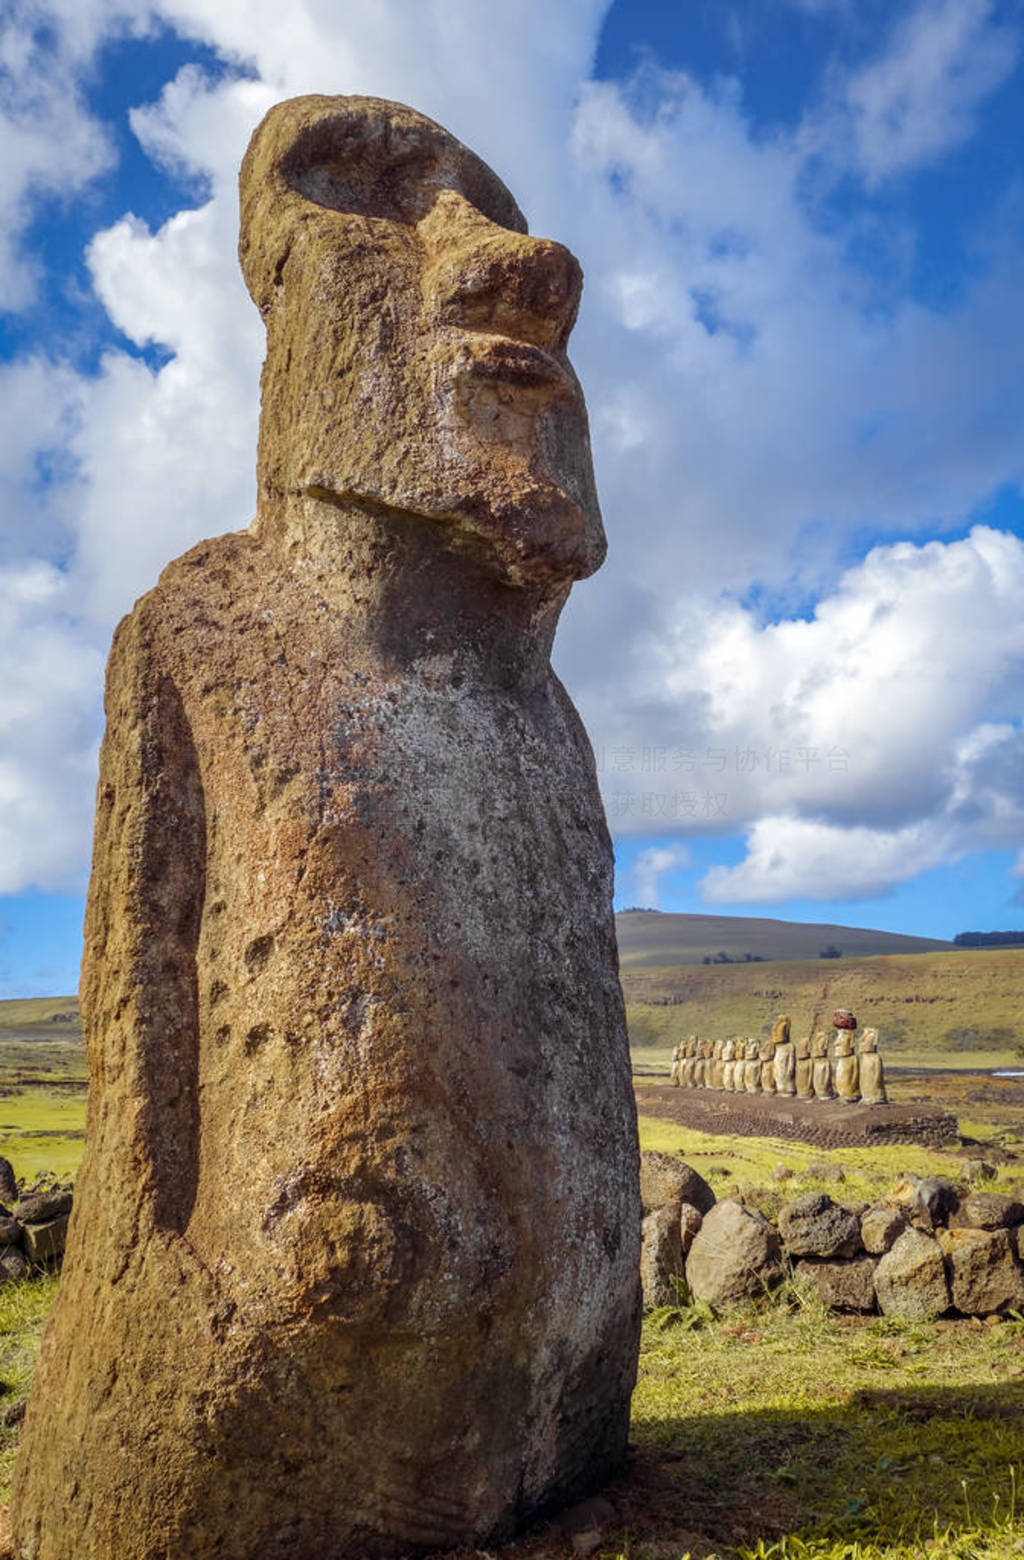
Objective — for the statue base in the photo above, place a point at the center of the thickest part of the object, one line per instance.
(826, 1123)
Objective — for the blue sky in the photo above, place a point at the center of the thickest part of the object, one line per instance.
(802, 341)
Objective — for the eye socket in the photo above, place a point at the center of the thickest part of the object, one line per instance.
(378, 169)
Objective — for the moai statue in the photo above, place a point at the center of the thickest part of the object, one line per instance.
(717, 1065)
(821, 1066)
(804, 1069)
(785, 1057)
(677, 1062)
(686, 1067)
(699, 1064)
(360, 1077)
(752, 1067)
(872, 1070)
(844, 1070)
(767, 1056)
(708, 1048)
(728, 1066)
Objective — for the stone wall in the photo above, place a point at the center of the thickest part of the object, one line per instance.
(927, 1249)
(33, 1223)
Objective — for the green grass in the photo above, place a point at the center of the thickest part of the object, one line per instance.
(926, 1006)
(40, 1012)
(43, 1129)
(24, 1308)
(743, 1165)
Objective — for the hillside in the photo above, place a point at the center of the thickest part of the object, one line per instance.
(649, 937)
(59, 1014)
(951, 1002)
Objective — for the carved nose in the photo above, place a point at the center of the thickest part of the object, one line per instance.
(487, 278)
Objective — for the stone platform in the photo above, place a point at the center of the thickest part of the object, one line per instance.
(826, 1123)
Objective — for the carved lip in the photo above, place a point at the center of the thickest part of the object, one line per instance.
(510, 362)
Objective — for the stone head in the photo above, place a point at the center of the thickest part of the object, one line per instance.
(819, 1043)
(767, 1050)
(844, 1042)
(752, 1049)
(869, 1040)
(416, 338)
(780, 1030)
(802, 1048)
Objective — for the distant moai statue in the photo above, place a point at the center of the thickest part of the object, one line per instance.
(699, 1064)
(767, 1056)
(752, 1067)
(717, 1065)
(804, 1069)
(821, 1066)
(845, 1070)
(689, 1059)
(785, 1057)
(728, 1065)
(353, 1263)
(872, 1070)
(677, 1061)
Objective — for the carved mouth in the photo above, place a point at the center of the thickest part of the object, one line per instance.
(501, 360)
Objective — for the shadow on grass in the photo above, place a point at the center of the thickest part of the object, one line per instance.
(888, 1467)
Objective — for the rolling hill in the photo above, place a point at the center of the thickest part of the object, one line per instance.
(651, 937)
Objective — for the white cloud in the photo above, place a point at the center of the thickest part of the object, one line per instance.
(51, 145)
(752, 403)
(921, 97)
(47, 765)
(651, 866)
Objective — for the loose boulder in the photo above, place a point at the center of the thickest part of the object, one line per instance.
(985, 1275)
(910, 1280)
(666, 1181)
(815, 1226)
(735, 1253)
(986, 1211)
(843, 1286)
(661, 1257)
(881, 1227)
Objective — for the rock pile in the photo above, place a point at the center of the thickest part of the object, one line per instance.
(925, 1249)
(33, 1229)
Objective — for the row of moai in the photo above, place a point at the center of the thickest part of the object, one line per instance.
(802, 1069)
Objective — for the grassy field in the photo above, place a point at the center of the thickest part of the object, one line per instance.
(648, 937)
(931, 1005)
(776, 1432)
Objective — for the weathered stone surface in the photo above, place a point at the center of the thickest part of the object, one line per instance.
(690, 1221)
(735, 1253)
(353, 1268)
(910, 1280)
(844, 1286)
(666, 1181)
(661, 1256)
(986, 1211)
(872, 1070)
(815, 1226)
(881, 1227)
(8, 1182)
(927, 1200)
(44, 1243)
(845, 1071)
(984, 1273)
(10, 1231)
(13, 1264)
(37, 1209)
(979, 1170)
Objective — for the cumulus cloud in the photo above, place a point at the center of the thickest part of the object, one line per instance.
(52, 146)
(49, 673)
(756, 397)
(921, 97)
(651, 866)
